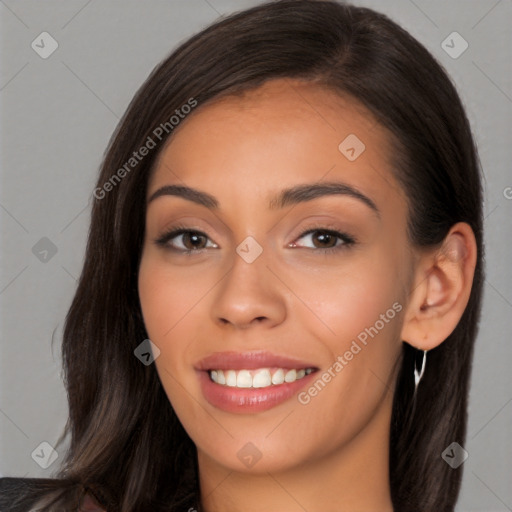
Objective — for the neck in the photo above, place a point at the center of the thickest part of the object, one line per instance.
(355, 477)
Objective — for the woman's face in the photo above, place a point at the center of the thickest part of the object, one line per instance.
(306, 294)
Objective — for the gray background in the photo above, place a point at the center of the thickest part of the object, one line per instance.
(57, 115)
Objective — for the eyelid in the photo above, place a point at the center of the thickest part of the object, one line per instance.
(344, 237)
(327, 227)
(177, 230)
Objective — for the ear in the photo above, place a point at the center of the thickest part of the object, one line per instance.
(442, 285)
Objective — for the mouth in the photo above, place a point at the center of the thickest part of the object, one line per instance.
(259, 378)
(251, 382)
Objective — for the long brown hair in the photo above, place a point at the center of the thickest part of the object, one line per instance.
(127, 444)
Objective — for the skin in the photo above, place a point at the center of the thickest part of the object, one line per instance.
(297, 300)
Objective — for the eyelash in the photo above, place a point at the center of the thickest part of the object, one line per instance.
(163, 240)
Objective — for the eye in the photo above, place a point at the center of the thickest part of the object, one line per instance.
(188, 240)
(326, 239)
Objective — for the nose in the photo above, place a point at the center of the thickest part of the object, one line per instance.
(249, 295)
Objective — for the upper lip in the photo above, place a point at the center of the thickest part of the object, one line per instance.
(249, 361)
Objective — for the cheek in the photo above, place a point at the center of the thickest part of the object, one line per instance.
(173, 302)
(166, 305)
(364, 316)
(347, 301)
(169, 294)
(158, 302)
(167, 301)
(366, 302)
(357, 316)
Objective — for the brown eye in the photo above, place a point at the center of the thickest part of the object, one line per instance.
(326, 239)
(191, 241)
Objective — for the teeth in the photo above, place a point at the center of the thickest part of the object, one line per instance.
(244, 379)
(260, 378)
(278, 377)
(230, 378)
(291, 376)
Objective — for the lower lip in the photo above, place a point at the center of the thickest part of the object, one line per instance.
(249, 400)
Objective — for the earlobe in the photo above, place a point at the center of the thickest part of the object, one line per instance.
(444, 278)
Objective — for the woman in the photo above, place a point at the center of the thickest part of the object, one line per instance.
(290, 210)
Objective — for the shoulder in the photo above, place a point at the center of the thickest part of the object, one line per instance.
(18, 494)
(11, 483)
(14, 488)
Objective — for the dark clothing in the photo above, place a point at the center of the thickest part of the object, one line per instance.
(13, 489)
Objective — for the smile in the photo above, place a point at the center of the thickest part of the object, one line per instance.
(258, 378)
(251, 382)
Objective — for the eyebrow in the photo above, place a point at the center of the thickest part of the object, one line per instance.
(290, 196)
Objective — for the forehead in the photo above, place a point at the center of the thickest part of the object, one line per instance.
(280, 134)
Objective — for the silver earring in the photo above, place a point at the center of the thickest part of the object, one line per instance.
(419, 375)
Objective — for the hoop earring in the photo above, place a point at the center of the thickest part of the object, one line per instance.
(419, 375)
